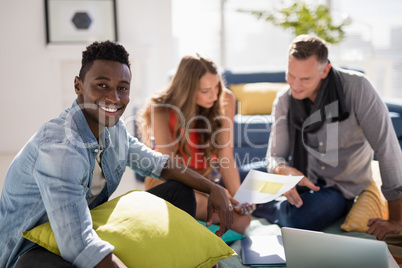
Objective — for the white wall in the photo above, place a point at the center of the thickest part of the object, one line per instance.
(36, 80)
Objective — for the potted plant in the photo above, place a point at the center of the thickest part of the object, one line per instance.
(303, 18)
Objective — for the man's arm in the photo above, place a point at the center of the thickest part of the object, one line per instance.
(63, 195)
(110, 261)
(395, 209)
(218, 201)
(278, 150)
(379, 131)
(380, 228)
(278, 143)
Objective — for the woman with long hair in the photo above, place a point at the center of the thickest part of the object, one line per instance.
(192, 120)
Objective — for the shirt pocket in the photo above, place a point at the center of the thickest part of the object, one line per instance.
(338, 135)
(350, 133)
(120, 168)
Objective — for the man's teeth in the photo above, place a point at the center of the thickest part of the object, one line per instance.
(108, 109)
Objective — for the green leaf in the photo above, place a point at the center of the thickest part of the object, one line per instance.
(303, 18)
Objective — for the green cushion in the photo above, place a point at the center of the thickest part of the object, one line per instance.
(148, 231)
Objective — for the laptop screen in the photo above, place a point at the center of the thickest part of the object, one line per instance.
(316, 249)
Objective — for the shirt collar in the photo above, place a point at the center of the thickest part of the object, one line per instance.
(76, 120)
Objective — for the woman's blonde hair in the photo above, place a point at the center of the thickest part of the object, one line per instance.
(181, 96)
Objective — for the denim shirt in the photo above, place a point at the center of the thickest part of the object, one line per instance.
(50, 180)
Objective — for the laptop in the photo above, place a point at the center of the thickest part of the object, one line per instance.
(263, 250)
(316, 249)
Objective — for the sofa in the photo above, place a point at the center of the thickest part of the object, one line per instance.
(251, 131)
(252, 127)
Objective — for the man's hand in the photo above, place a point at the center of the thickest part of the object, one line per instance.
(110, 261)
(292, 195)
(380, 228)
(218, 202)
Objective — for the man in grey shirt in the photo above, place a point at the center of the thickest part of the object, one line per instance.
(328, 124)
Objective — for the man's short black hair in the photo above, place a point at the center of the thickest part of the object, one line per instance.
(106, 50)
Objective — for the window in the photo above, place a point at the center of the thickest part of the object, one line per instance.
(239, 41)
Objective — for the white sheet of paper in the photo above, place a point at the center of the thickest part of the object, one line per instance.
(260, 187)
(261, 250)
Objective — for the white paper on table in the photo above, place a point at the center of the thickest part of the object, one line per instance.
(260, 187)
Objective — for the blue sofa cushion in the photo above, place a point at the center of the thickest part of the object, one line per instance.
(251, 130)
(255, 77)
(395, 112)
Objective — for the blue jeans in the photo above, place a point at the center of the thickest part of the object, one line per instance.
(319, 210)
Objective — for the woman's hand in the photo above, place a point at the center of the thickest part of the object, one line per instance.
(242, 209)
(247, 208)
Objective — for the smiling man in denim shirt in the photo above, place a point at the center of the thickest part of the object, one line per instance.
(75, 162)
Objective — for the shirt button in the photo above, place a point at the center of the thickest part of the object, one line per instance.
(321, 143)
(96, 150)
(322, 167)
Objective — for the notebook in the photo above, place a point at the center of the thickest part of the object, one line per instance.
(263, 250)
(316, 249)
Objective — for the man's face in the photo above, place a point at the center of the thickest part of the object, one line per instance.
(104, 93)
(305, 77)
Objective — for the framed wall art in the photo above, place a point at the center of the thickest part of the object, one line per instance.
(80, 21)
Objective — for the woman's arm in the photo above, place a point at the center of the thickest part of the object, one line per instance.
(227, 164)
(161, 132)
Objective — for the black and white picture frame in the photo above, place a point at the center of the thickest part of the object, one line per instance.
(80, 21)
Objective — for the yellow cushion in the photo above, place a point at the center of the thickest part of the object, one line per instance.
(256, 98)
(369, 204)
(148, 231)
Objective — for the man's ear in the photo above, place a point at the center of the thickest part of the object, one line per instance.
(78, 85)
(326, 70)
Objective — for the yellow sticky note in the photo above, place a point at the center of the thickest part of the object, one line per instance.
(266, 187)
(271, 187)
(255, 185)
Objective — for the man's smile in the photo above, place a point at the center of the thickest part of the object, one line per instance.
(109, 108)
